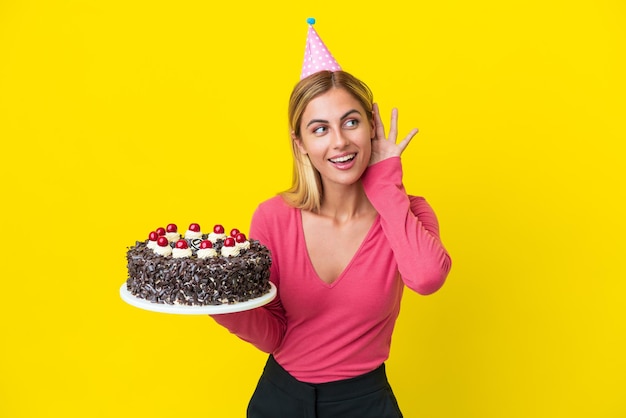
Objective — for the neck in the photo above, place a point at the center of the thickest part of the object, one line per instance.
(345, 203)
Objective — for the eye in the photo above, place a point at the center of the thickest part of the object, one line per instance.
(351, 123)
(319, 130)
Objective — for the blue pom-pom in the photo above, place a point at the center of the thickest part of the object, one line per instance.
(311, 21)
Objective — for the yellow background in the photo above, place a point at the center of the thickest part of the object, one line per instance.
(118, 117)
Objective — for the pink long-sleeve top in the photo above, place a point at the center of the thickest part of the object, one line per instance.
(323, 332)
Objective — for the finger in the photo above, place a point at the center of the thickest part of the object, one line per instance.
(407, 139)
(393, 127)
(380, 128)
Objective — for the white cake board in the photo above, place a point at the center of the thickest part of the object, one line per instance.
(197, 310)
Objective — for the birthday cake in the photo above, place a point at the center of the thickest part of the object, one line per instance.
(197, 269)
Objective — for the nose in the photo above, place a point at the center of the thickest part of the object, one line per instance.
(338, 139)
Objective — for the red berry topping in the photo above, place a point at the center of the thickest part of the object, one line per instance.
(206, 244)
(171, 228)
(240, 237)
(234, 232)
(229, 242)
(153, 236)
(182, 244)
(160, 231)
(218, 229)
(162, 242)
(194, 227)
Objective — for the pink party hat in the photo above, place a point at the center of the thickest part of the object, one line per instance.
(316, 56)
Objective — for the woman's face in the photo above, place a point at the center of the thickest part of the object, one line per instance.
(336, 135)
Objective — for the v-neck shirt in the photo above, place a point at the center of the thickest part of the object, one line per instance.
(330, 243)
(321, 332)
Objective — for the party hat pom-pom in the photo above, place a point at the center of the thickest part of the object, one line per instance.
(311, 21)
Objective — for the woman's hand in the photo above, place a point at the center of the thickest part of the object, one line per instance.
(385, 147)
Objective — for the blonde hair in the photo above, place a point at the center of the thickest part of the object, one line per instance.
(306, 187)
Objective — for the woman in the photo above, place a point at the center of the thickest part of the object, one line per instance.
(345, 240)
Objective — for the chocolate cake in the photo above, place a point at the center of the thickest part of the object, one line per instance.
(235, 269)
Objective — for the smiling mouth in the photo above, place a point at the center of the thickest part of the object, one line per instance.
(342, 159)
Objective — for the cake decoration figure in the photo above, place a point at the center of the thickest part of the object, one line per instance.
(241, 241)
(163, 247)
(171, 233)
(181, 250)
(229, 249)
(152, 240)
(193, 232)
(217, 234)
(206, 250)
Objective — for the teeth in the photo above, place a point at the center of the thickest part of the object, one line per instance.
(343, 159)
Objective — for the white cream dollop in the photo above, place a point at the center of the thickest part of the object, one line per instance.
(172, 236)
(152, 244)
(230, 251)
(164, 251)
(207, 253)
(213, 237)
(243, 245)
(189, 234)
(181, 252)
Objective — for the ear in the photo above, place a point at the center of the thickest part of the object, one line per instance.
(373, 128)
(298, 142)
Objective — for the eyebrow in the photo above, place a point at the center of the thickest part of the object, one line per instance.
(325, 121)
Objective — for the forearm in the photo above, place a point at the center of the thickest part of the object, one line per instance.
(263, 327)
(410, 226)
